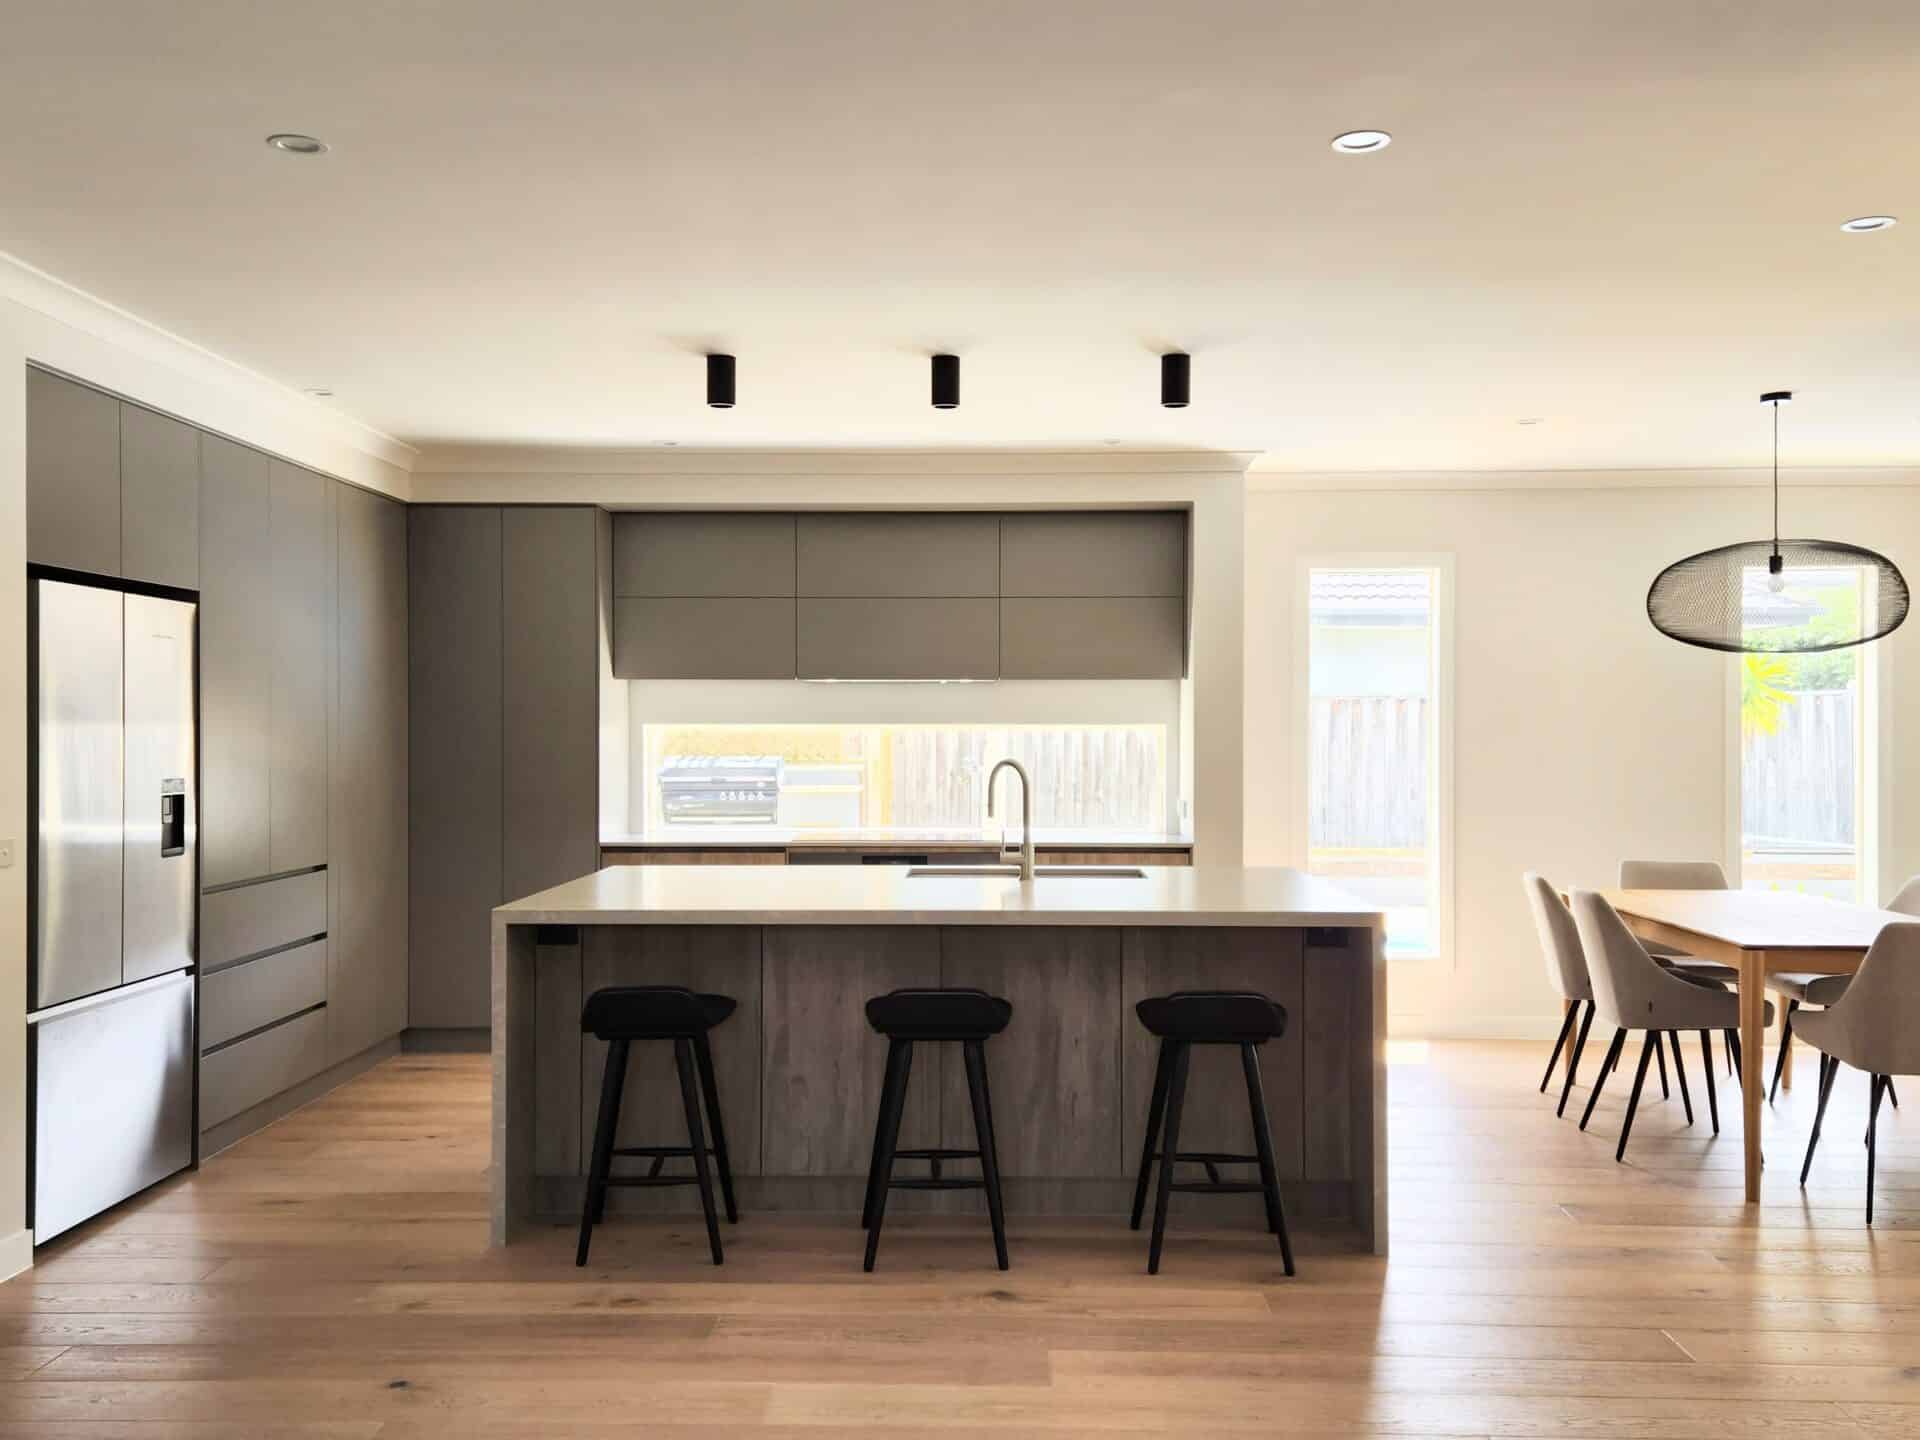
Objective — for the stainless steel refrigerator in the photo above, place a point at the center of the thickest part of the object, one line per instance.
(110, 1012)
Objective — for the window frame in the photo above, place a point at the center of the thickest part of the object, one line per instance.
(1440, 798)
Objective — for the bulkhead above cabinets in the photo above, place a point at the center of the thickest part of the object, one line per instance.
(900, 595)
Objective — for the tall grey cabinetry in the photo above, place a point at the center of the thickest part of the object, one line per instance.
(303, 733)
(503, 613)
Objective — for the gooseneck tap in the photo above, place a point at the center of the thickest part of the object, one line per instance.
(1026, 814)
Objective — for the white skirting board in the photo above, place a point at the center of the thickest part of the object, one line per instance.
(16, 1254)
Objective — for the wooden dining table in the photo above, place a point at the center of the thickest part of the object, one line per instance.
(1758, 933)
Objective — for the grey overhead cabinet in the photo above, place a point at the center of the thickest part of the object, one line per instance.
(73, 475)
(703, 596)
(504, 620)
(366, 981)
(159, 498)
(1093, 595)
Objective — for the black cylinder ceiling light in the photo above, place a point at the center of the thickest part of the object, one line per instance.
(946, 382)
(1779, 597)
(1176, 380)
(720, 381)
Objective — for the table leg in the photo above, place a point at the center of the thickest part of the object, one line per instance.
(1753, 1082)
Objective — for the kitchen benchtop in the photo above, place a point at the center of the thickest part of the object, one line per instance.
(1208, 895)
(888, 837)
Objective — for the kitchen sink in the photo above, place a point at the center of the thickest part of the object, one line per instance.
(1012, 872)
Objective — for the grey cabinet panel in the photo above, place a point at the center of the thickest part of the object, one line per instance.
(899, 639)
(703, 639)
(550, 805)
(73, 475)
(250, 918)
(454, 761)
(367, 778)
(301, 543)
(1094, 552)
(901, 554)
(255, 1069)
(236, 662)
(159, 499)
(1093, 639)
(662, 554)
(245, 997)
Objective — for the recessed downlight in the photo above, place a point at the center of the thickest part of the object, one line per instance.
(1867, 224)
(1529, 420)
(1362, 142)
(297, 144)
(319, 392)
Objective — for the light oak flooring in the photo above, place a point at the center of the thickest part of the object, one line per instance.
(330, 1277)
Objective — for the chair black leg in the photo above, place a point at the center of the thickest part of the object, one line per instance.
(1786, 1044)
(1828, 1068)
(1263, 1145)
(893, 1106)
(1573, 1062)
(1660, 1054)
(611, 1080)
(976, 1058)
(1647, 1052)
(1170, 1147)
(703, 1057)
(697, 1141)
(613, 1131)
(1680, 1073)
(1606, 1069)
(1734, 1058)
(1873, 1129)
(1706, 1064)
(887, 1083)
(1891, 1094)
(1156, 1112)
(1559, 1044)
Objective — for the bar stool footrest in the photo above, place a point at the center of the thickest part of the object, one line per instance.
(1219, 1187)
(936, 1154)
(940, 1184)
(642, 1182)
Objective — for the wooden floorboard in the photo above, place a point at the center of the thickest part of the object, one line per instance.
(329, 1279)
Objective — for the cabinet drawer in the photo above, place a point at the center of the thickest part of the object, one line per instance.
(258, 992)
(252, 918)
(256, 1069)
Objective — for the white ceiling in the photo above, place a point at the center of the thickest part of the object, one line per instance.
(1620, 217)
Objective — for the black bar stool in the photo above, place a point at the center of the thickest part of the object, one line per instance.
(970, 1017)
(1208, 1017)
(621, 1015)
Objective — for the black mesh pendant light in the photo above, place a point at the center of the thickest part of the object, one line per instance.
(1782, 596)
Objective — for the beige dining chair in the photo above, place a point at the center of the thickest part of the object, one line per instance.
(1875, 1027)
(1566, 972)
(1800, 989)
(1635, 992)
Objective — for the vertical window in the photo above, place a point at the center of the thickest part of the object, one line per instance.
(1376, 757)
(1807, 728)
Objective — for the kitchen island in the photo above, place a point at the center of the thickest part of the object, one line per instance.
(799, 1072)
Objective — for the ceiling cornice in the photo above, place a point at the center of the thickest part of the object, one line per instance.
(597, 460)
(1352, 481)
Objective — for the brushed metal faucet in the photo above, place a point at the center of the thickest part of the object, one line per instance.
(1026, 814)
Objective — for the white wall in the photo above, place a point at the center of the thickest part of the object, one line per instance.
(1213, 485)
(1581, 736)
(49, 324)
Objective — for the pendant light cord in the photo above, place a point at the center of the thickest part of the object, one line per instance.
(1776, 477)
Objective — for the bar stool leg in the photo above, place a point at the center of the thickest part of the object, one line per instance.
(697, 1141)
(613, 1128)
(893, 1106)
(1263, 1143)
(976, 1058)
(1170, 1147)
(1155, 1113)
(611, 1081)
(889, 1080)
(703, 1056)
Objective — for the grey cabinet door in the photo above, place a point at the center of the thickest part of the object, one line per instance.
(868, 554)
(159, 499)
(236, 662)
(1111, 639)
(301, 544)
(367, 778)
(73, 475)
(662, 553)
(453, 761)
(550, 661)
(1094, 553)
(899, 639)
(703, 639)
